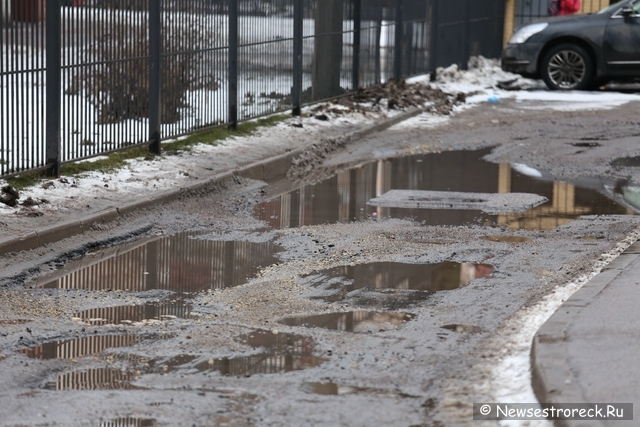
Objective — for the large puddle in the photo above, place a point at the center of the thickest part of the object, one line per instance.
(94, 379)
(352, 321)
(278, 353)
(415, 281)
(80, 347)
(343, 197)
(182, 263)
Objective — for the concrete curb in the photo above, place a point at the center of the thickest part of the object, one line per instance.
(552, 379)
(266, 169)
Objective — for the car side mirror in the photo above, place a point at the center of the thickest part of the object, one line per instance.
(627, 11)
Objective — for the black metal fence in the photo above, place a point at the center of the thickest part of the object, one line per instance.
(463, 28)
(82, 78)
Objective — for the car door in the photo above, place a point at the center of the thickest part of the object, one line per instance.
(621, 47)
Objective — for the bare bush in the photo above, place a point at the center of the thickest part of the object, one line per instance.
(120, 88)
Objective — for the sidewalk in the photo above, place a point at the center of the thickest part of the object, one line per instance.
(587, 352)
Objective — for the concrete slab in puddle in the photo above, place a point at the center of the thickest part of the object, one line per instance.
(487, 202)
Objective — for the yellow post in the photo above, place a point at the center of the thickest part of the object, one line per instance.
(509, 20)
(592, 6)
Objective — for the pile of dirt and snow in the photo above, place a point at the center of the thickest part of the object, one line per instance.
(482, 73)
(394, 95)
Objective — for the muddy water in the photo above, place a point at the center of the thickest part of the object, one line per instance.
(628, 162)
(129, 422)
(80, 347)
(282, 353)
(463, 328)
(417, 280)
(279, 353)
(506, 239)
(333, 389)
(353, 321)
(94, 379)
(343, 197)
(182, 263)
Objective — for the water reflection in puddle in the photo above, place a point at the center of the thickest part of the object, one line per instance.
(181, 263)
(283, 353)
(626, 162)
(343, 197)
(338, 282)
(94, 379)
(333, 389)
(129, 422)
(462, 328)
(14, 321)
(136, 313)
(79, 347)
(506, 239)
(353, 321)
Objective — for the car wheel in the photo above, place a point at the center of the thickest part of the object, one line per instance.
(567, 67)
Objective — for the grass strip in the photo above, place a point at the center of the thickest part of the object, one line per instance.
(117, 160)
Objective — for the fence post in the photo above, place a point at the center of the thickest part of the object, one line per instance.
(379, 12)
(433, 37)
(466, 41)
(53, 73)
(357, 15)
(233, 64)
(296, 90)
(155, 73)
(397, 48)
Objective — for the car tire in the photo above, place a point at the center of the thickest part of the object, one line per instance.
(567, 67)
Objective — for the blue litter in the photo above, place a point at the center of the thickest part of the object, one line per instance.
(493, 99)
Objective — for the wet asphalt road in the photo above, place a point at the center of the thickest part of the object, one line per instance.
(198, 318)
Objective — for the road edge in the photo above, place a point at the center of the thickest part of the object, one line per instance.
(552, 379)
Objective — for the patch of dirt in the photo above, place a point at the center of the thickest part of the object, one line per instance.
(392, 95)
(396, 95)
(9, 195)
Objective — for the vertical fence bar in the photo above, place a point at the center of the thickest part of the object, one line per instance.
(5, 18)
(466, 40)
(357, 14)
(233, 64)
(379, 12)
(433, 37)
(53, 73)
(155, 79)
(296, 90)
(397, 48)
